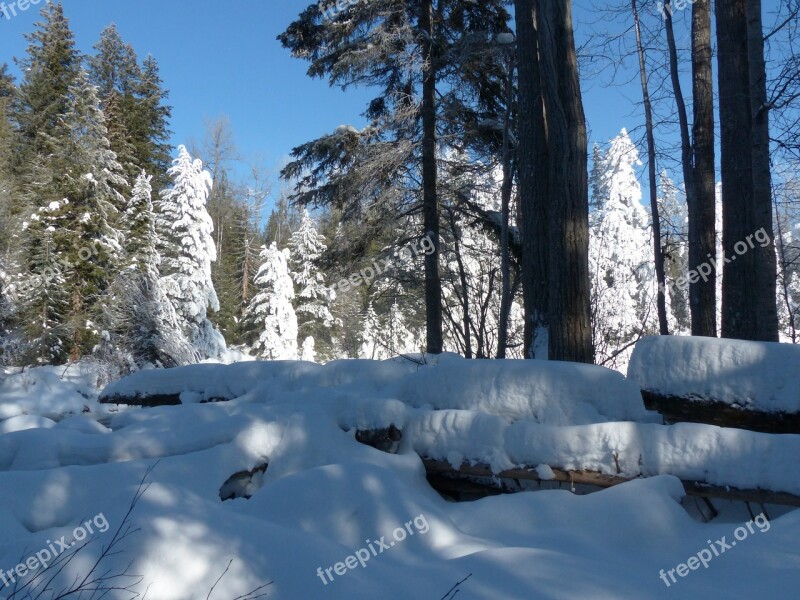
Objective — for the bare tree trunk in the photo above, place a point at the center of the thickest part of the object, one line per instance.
(532, 160)
(462, 274)
(702, 211)
(748, 289)
(658, 253)
(508, 184)
(766, 262)
(569, 304)
(433, 283)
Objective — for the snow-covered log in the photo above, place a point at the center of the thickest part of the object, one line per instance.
(730, 383)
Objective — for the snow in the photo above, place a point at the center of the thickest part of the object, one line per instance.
(324, 497)
(750, 375)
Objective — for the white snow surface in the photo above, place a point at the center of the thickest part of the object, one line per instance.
(750, 375)
(324, 496)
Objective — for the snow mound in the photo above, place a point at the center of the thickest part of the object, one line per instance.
(749, 375)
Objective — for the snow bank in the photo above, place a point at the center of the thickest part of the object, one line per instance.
(51, 392)
(749, 375)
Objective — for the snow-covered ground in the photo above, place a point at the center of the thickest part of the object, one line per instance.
(332, 518)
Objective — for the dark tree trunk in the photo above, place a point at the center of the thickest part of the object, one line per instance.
(702, 211)
(508, 184)
(532, 161)
(747, 313)
(433, 283)
(569, 304)
(658, 253)
(766, 261)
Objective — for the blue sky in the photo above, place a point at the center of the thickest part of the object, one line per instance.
(222, 57)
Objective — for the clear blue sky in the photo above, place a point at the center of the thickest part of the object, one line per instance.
(222, 57)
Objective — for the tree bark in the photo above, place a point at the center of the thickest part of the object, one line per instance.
(433, 283)
(508, 184)
(702, 211)
(658, 253)
(569, 303)
(532, 161)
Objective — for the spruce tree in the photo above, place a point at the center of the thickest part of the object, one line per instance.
(623, 283)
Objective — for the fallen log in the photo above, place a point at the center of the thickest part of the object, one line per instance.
(152, 400)
(441, 468)
(676, 409)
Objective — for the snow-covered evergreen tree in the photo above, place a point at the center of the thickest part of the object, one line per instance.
(620, 257)
(42, 293)
(389, 336)
(313, 298)
(270, 313)
(370, 346)
(139, 223)
(187, 251)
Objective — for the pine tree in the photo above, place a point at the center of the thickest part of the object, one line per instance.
(187, 246)
(270, 313)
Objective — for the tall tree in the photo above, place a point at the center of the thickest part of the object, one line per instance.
(545, 34)
(408, 50)
(749, 307)
(534, 189)
(658, 252)
(702, 213)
